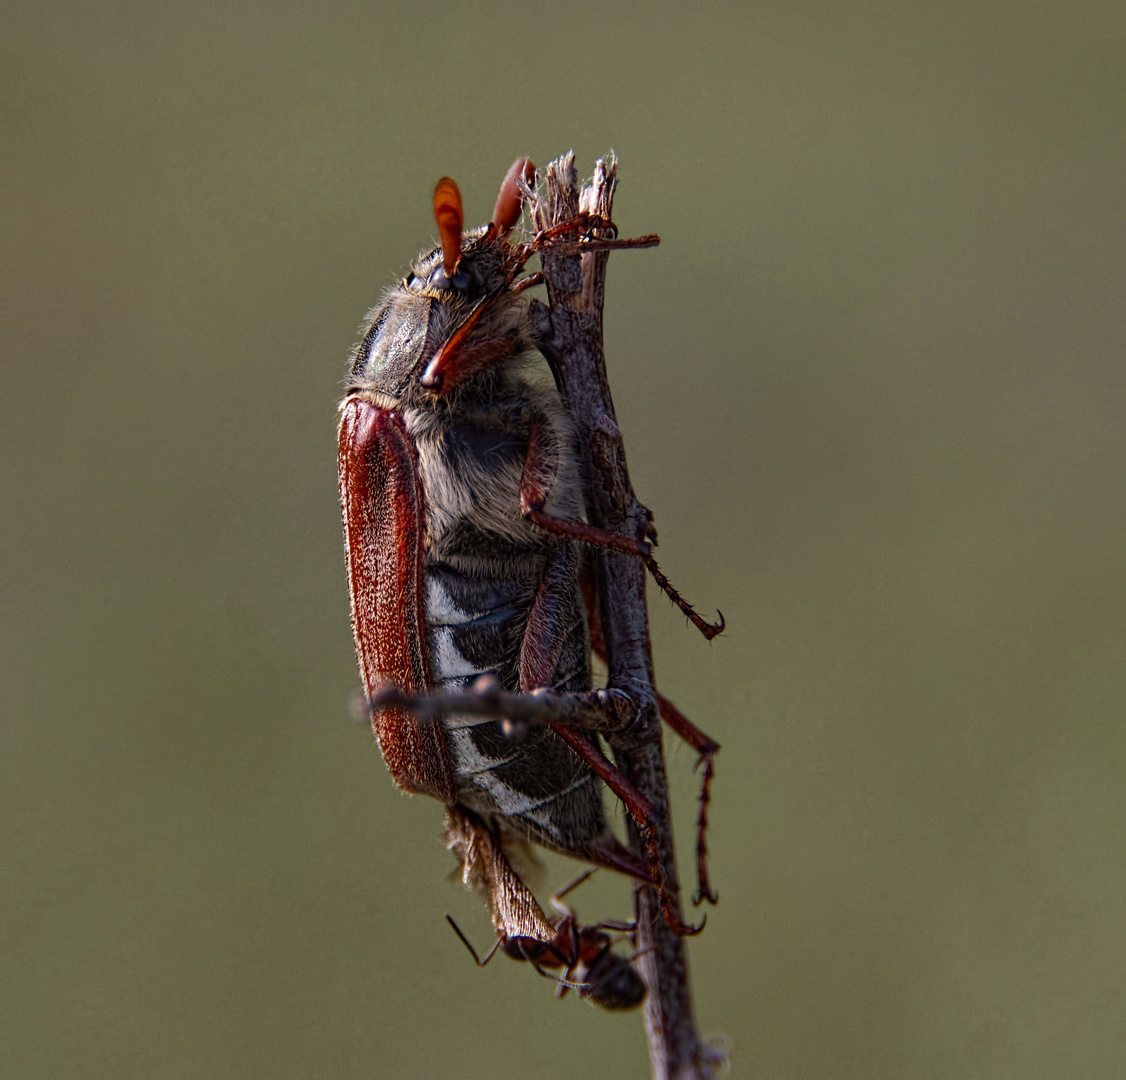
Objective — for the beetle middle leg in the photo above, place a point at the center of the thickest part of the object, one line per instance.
(539, 655)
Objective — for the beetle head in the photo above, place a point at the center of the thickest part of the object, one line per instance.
(452, 316)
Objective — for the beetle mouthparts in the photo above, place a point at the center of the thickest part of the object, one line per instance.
(432, 380)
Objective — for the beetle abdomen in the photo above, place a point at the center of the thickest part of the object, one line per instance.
(535, 782)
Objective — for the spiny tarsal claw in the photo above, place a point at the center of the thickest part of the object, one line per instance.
(709, 630)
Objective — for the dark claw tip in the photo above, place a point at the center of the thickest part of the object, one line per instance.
(717, 627)
(688, 930)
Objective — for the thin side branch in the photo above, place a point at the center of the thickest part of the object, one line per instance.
(596, 710)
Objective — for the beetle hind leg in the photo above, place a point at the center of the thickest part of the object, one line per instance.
(703, 744)
(707, 749)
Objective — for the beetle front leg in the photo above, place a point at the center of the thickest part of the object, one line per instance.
(584, 224)
(535, 485)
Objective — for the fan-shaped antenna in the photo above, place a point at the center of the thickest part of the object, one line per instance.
(448, 214)
(507, 211)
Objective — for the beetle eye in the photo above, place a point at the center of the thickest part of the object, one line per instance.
(459, 282)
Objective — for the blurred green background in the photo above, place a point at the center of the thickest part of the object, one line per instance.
(871, 383)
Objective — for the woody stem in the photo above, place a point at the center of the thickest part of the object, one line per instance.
(570, 336)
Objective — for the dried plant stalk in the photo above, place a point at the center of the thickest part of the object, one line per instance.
(570, 336)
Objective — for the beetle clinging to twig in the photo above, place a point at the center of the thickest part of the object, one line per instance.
(463, 507)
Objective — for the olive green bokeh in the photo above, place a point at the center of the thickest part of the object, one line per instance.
(872, 385)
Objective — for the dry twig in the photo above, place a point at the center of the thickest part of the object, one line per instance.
(570, 336)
